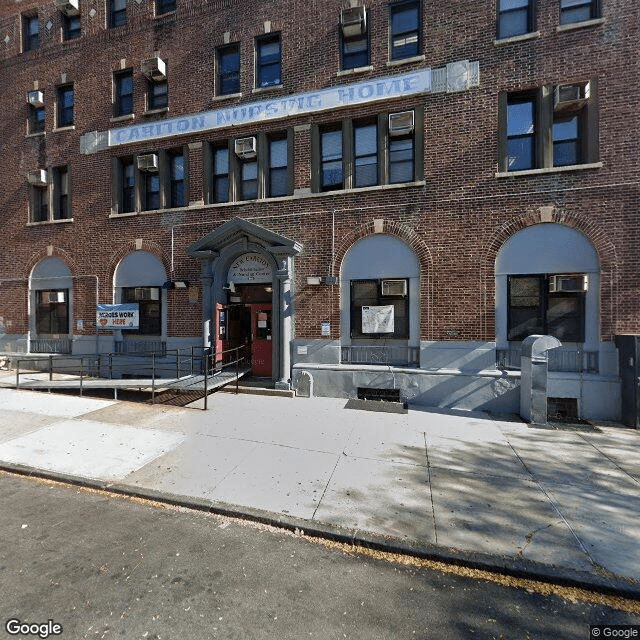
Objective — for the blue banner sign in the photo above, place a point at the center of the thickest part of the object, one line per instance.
(118, 316)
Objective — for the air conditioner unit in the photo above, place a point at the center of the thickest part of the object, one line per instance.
(155, 69)
(56, 296)
(246, 148)
(401, 123)
(38, 178)
(147, 162)
(147, 293)
(572, 283)
(35, 98)
(69, 7)
(353, 22)
(394, 287)
(567, 97)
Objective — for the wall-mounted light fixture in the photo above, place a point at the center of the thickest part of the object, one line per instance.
(314, 280)
(176, 284)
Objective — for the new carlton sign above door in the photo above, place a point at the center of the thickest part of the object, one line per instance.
(457, 76)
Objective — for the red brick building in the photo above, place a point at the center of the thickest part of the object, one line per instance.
(388, 194)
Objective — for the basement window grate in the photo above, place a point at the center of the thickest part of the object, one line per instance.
(387, 395)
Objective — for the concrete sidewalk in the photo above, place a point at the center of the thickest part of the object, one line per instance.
(556, 503)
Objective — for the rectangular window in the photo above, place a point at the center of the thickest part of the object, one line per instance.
(228, 68)
(365, 147)
(578, 10)
(36, 119)
(534, 309)
(405, 28)
(40, 203)
(401, 159)
(71, 28)
(149, 300)
(158, 96)
(30, 32)
(515, 18)
(65, 106)
(123, 93)
(521, 133)
(165, 6)
(249, 180)
(61, 199)
(567, 140)
(268, 61)
(117, 12)
(278, 168)
(177, 180)
(221, 174)
(331, 171)
(377, 314)
(52, 312)
(128, 185)
(354, 38)
(151, 194)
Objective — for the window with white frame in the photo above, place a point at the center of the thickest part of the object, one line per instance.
(572, 11)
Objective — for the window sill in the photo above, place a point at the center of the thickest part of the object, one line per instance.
(534, 35)
(227, 96)
(124, 118)
(397, 63)
(45, 222)
(71, 127)
(350, 72)
(166, 14)
(36, 134)
(580, 25)
(156, 112)
(267, 89)
(378, 187)
(538, 172)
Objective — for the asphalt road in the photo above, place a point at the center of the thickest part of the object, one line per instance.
(102, 566)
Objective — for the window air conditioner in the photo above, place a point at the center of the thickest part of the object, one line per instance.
(147, 162)
(567, 97)
(394, 287)
(246, 147)
(574, 283)
(155, 69)
(353, 22)
(69, 7)
(56, 296)
(401, 123)
(37, 178)
(35, 98)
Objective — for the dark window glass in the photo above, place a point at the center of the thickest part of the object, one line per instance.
(52, 312)
(268, 61)
(534, 310)
(278, 174)
(515, 18)
(117, 13)
(128, 181)
(405, 30)
(31, 32)
(124, 93)
(355, 52)
(177, 180)
(65, 106)
(164, 6)
(249, 180)
(150, 304)
(71, 27)
(221, 175)
(229, 69)
(401, 159)
(365, 155)
(521, 132)
(40, 204)
(151, 191)
(36, 119)
(332, 174)
(62, 208)
(567, 144)
(158, 95)
(368, 293)
(577, 10)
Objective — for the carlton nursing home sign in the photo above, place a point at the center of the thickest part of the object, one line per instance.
(250, 268)
(118, 316)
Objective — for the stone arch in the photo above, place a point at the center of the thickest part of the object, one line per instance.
(421, 251)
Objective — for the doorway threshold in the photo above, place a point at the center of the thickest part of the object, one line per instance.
(259, 386)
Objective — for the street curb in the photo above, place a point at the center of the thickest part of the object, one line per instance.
(516, 567)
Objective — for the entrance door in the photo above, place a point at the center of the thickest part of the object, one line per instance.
(261, 343)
